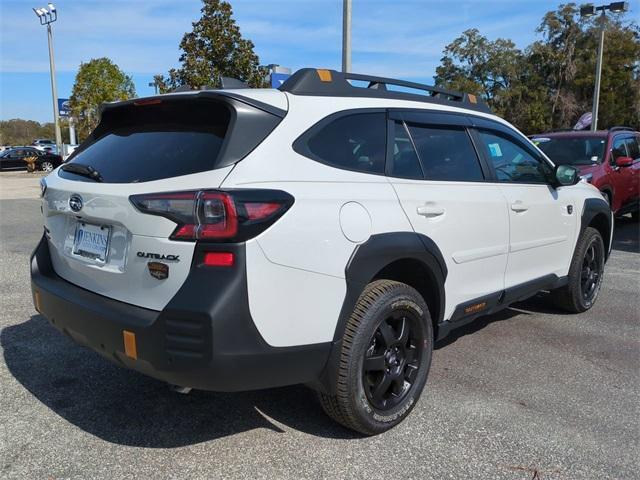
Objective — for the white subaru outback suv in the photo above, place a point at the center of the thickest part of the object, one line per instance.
(325, 233)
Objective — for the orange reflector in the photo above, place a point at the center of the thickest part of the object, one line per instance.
(325, 75)
(472, 98)
(130, 349)
(475, 308)
(36, 300)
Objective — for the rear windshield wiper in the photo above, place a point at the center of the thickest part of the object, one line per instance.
(83, 170)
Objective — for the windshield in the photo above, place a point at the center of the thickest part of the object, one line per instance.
(572, 151)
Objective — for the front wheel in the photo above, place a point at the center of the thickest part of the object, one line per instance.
(384, 359)
(585, 274)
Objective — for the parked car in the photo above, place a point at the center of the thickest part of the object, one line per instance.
(608, 159)
(43, 142)
(321, 233)
(46, 145)
(14, 158)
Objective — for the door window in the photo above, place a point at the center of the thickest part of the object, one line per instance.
(512, 163)
(405, 163)
(633, 148)
(619, 148)
(446, 153)
(354, 142)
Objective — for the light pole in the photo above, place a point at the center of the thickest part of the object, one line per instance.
(346, 35)
(47, 17)
(590, 10)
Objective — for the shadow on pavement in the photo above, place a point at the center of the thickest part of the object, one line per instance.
(125, 407)
(626, 235)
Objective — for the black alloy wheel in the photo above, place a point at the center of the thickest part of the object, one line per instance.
(591, 273)
(392, 360)
(384, 359)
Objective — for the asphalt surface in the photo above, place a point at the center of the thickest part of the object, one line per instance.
(529, 393)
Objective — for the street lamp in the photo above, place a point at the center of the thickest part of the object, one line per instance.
(346, 36)
(590, 10)
(47, 17)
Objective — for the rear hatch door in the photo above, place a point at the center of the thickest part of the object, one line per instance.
(98, 239)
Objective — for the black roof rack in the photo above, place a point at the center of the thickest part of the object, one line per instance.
(320, 82)
(613, 129)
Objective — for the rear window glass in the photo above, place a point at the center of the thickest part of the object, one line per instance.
(151, 142)
(355, 142)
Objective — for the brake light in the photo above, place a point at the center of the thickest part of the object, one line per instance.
(230, 215)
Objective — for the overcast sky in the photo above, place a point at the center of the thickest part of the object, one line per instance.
(392, 38)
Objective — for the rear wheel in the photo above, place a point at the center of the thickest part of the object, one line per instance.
(384, 360)
(585, 274)
(46, 166)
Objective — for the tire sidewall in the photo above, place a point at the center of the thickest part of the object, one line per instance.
(402, 297)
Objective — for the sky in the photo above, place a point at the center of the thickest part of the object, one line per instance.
(393, 38)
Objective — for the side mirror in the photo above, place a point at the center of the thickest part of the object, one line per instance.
(624, 161)
(567, 175)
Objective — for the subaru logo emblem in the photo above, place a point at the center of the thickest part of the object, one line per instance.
(75, 202)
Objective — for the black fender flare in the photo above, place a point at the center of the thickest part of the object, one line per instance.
(592, 208)
(366, 261)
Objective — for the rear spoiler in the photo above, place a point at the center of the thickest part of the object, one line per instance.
(195, 94)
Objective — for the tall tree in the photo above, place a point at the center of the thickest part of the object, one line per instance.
(215, 48)
(98, 81)
(550, 84)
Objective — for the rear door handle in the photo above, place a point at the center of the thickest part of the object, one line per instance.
(518, 206)
(430, 211)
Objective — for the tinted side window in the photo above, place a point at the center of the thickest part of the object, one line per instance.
(446, 153)
(632, 148)
(354, 142)
(511, 162)
(618, 149)
(405, 163)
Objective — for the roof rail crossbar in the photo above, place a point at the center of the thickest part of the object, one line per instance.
(613, 129)
(320, 82)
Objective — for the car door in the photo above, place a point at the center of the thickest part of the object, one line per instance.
(15, 159)
(621, 177)
(440, 182)
(542, 219)
(633, 149)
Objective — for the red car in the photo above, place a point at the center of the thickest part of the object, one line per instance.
(609, 159)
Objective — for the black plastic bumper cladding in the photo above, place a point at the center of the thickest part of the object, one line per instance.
(204, 338)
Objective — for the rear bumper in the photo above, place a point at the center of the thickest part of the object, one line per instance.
(204, 338)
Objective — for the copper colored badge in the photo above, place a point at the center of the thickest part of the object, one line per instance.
(158, 270)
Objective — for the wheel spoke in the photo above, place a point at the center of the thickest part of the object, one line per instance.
(382, 388)
(404, 331)
(410, 373)
(398, 384)
(388, 335)
(374, 364)
(410, 355)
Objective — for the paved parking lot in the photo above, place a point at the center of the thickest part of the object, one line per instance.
(529, 393)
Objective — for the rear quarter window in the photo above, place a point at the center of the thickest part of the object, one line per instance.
(351, 142)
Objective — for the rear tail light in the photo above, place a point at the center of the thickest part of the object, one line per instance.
(227, 216)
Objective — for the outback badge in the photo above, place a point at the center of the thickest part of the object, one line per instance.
(158, 270)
